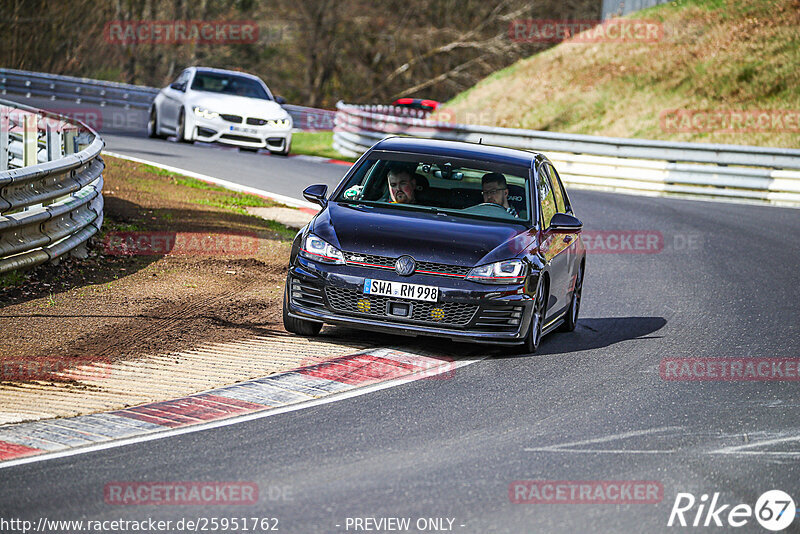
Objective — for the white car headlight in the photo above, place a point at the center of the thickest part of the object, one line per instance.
(316, 248)
(501, 272)
(280, 123)
(205, 113)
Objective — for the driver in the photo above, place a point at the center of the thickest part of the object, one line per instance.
(495, 191)
(402, 186)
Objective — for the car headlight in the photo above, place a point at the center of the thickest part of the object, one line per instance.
(205, 113)
(501, 272)
(280, 123)
(316, 248)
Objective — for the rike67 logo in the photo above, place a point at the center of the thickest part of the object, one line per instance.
(774, 510)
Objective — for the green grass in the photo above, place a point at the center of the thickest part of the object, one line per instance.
(235, 202)
(316, 144)
(180, 179)
(11, 279)
(284, 231)
(109, 225)
(220, 198)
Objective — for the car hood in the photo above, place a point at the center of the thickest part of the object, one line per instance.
(237, 105)
(424, 236)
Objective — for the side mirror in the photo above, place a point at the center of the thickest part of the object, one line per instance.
(561, 222)
(280, 100)
(316, 194)
(178, 87)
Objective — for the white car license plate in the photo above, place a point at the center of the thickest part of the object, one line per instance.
(401, 290)
(244, 130)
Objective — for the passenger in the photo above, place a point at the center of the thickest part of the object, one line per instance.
(402, 186)
(495, 191)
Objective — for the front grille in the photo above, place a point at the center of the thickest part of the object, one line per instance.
(232, 118)
(256, 122)
(306, 295)
(430, 313)
(442, 269)
(385, 262)
(244, 138)
(370, 259)
(499, 317)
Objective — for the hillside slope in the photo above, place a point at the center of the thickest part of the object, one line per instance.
(715, 55)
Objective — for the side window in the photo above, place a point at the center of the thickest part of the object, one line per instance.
(561, 193)
(557, 189)
(546, 198)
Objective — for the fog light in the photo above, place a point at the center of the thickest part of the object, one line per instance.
(437, 314)
(363, 305)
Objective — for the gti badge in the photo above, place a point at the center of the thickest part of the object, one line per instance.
(405, 265)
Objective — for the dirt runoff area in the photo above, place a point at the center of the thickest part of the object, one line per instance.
(181, 269)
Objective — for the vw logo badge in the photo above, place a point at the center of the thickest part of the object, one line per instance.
(405, 265)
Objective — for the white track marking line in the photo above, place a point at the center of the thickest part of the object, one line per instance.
(613, 437)
(604, 451)
(160, 434)
(289, 201)
(738, 449)
(731, 450)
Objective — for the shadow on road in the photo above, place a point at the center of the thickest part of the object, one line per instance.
(592, 333)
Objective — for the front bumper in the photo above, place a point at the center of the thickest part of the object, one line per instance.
(466, 311)
(221, 131)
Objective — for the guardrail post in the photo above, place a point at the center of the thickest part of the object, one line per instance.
(53, 143)
(30, 140)
(54, 152)
(69, 142)
(5, 125)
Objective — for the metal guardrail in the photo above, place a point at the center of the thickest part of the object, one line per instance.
(697, 170)
(85, 90)
(51, 185)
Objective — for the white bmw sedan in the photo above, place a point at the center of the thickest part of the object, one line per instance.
(214, 105)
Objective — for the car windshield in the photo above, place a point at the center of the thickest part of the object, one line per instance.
(468, 188)
(228, 84)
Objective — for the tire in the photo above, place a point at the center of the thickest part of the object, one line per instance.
(534, 337)
(571, 319)
(284, 152)
(301, 327)
(152, 125)
(181, 133)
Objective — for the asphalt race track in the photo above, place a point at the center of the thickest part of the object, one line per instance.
(590, 405)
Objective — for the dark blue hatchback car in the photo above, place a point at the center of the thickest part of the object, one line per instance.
(466, 241)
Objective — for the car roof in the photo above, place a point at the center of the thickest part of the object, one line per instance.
(459, 149)
(224, 71)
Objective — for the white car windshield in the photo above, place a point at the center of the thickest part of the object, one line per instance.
(228, 84)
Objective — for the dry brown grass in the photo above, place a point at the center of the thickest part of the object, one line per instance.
(715, 55)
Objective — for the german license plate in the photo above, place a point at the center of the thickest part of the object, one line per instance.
(401, 290)
(244, 130)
